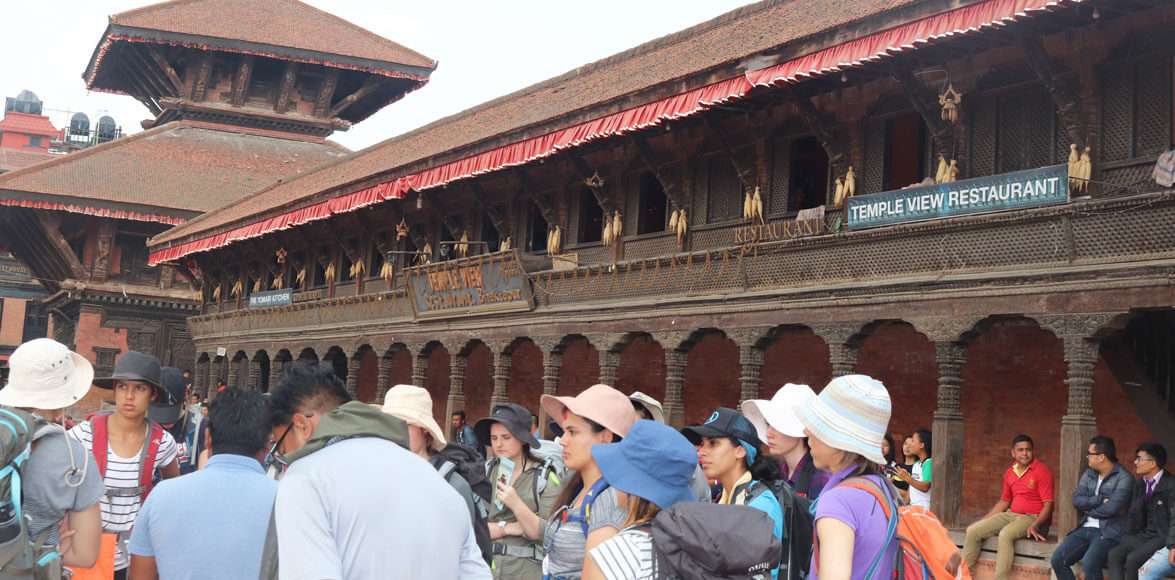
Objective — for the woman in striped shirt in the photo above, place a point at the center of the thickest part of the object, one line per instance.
(652, 469)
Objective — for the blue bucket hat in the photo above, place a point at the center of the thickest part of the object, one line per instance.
(653, 461)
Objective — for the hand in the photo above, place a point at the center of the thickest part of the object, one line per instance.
(65, 536)
(1171, 557)
(507, 495)
(496, 532)
(1035, 535)
(902, 474)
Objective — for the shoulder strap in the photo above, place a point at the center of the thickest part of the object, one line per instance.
(147, 459)
(804, 477)
(101, 440)
(890, 509)
(445, 469)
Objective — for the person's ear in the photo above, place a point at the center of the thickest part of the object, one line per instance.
(740, 451)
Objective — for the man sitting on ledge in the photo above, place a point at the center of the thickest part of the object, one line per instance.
(1024, 509)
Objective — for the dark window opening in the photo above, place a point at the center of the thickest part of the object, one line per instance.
(319, 274)
(905, 151)
(265, 81)
(345, 265)
(375, 261)
(132, 264)
(35, 140)
(591, 218)
(536, 230)
(725, 190)
(809, 175)
(446, 251)
(654, 206)
(489, 235)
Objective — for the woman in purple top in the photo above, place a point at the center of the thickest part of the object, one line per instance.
(845, 427)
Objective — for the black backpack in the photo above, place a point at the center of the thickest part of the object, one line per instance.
(798, 527)
(456, 463)
(705, 541)
(469, 465)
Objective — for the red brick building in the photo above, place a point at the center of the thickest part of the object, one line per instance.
(243, 95)
(1048, 318)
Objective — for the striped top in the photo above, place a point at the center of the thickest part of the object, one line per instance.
(119, 512)
(626, 556)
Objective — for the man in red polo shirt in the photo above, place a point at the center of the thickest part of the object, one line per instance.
(1024, 509)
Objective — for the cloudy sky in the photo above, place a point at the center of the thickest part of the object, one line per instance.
(485, 49)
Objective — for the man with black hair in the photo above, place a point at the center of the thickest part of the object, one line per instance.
(1024, 510)
(355, 502)
(463, 433)
(1150, 520)
(1103, 497)
(919, 475)
(223, 538)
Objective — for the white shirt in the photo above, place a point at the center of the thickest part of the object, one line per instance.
(1092, 522)
(368, 509)
(626, 556)
(917, 496)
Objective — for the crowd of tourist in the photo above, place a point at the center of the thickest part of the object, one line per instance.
(305, 482)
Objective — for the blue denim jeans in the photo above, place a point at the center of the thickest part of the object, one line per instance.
(1157, 567)
(1087, 545)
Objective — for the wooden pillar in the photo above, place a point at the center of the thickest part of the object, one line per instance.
(276, 369)
(674, 381)
(750, 360)
(609, 364)
(254, 375)
(552, 362)
(384, 381)
(501, 379)
(353, 365)
(456, 400)
(234, 373)
(842, 356)
(420, 369)
(200, 379)
(1077, 426)
(946, 496)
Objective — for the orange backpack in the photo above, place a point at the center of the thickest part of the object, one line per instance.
(926, 550)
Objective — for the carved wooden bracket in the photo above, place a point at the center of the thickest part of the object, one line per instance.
(326, 92)
(645, 153)
(830, 135)
(545, 203)
(593, 183)
(370, 84)
(500, 220)
(242, 79)
(941, 132)
(289, 75)
(1064, 91)
(745, 174)
(203, 71)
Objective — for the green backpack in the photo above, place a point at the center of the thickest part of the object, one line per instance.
(21, 556)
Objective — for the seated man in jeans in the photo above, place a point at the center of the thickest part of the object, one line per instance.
(1149, 518)
(1103, 498)
(1024, 509)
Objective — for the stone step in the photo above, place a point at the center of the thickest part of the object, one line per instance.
(1030, 563)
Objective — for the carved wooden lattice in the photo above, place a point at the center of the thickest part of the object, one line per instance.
(1152, 121)
(698, 211)
(725, 191)
(873, 174)
(780, 175)
(983, 133)
(1117, 113)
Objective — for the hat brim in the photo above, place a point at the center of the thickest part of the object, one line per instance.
(555, 407)
(425, 422)
(763, 414)
(71, 392)
(164, 414)
(109, 382)
(695, 433)
(830, 428)
(483, 426)
(636, 480)
(657, 413)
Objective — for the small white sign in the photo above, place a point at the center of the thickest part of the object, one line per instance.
(221, 351)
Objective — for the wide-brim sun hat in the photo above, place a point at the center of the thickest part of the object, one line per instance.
(851, 414)
(413, 405)
(601, 404)
(134, 366)
(515, 418)
(780, 412)
(653, 406)
(165, 409)
(653, 461)
(45, 374)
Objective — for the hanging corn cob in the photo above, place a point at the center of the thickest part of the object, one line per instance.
(673, 220)
(607, 237)
(279, 281)
(216, 293)
(238, 288)
(682, 226)
(425, 255)
(301, 278)
(558, 247)
(506, 245)
(748, 206)
(331, 270)
(257, 285)
(463, 245)
(357, 269)
(940, 176)
(617, 226)
(757, 206)
(838, 196)
(850, 183)
(387, 272)
(952, 172)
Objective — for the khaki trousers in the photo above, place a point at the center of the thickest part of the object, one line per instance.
(1010, 527)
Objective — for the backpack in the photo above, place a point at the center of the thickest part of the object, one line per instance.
(696, 541)
(481, 529)
(468, 463)
(22, 556)
(798, 525)
(925, 549)
(99, 423)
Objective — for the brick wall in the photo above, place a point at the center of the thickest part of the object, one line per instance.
(436, 380)
(711, 377)
(796, 356)
(526, 376)
(1116, 415)
(1013, 382)
(903, 360)
(368, 377)
(89, 334)
(580, 368)
(479, 382)
(642, 368)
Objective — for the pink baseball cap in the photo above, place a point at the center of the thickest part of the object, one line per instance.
(599, 403)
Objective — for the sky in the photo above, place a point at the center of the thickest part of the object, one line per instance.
(484, 49)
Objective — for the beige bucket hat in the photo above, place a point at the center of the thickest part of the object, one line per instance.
(413, 405)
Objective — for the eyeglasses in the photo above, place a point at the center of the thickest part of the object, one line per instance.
(1143, 458)
(275, 454)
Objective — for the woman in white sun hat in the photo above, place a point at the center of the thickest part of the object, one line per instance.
(60, 479)
(845, 426)
(780, 428)
(413, 405)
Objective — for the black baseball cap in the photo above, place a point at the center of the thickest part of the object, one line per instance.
(723, 422)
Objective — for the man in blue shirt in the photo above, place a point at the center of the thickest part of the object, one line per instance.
(212, 523)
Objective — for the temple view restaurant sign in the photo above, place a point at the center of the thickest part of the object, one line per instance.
(485, 284)
(1021, 189)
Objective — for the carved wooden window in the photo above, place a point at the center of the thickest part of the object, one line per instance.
(1014, 129)
(590, 223)
(1136, 108)
(808, 174)
(906, 151)
(375, 260)
(536, 230)
(725, 193)
(132, 262)
(653, 205)
(489, 235)
(266, 80)
(446, 251)
(104, 361)
(780, 176)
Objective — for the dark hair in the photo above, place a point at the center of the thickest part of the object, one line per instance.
(925, 437)
(219, 382)
(238, 421)
(306, 387)
(765, 467)
(574, 484)
(1105, 446)
(1022, 438)
(460, 414)
(1155, 450)
(889, 455)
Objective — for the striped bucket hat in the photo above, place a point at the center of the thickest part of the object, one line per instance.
(851, 414)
